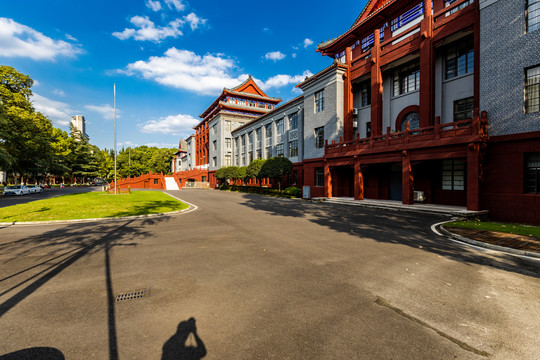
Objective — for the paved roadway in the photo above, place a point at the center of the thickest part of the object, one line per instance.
(264, 278)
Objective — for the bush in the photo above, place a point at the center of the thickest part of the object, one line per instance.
(224, 186)
(293, 191)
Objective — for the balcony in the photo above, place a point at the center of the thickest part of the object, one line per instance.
(457, 132)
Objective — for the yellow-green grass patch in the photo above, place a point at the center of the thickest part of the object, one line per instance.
(92, 205)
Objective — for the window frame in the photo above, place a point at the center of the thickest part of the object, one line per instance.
(457, 172)
(536, 24)
(458, 50)
(280, 150)
(293, 121)
(319, 101)
(319, 176)
(535, 107)
(406, 79)
(531, 173)
(293, 150)
(319, 137)
(469, 101)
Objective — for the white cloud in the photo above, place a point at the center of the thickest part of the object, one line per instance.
(293, 55)
(147, 30)
(194, 21)
(106, 110)
(72, 38)
(281, 80)
(183, 69)
(57, 111)
(307, 42)
(177, 4)
(275, 56)
(59, 92)
(179, 125)
(17, 40)
(154, 5)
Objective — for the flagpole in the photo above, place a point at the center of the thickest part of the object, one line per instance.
(115, 185)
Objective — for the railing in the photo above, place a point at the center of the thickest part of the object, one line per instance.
(464, 129)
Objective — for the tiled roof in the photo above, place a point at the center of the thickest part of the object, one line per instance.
(307, 80)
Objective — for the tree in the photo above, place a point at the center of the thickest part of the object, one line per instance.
(240, 173)
(276, 168)
(253, 170)
(226, 173)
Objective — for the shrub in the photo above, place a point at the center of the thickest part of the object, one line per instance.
(224, 186)
(293, 191)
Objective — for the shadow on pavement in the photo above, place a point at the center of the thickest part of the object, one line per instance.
(60, 248)
(181, 347)
(36, 353)
(388, 226)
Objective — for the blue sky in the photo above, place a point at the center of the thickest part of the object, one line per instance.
(168, 58)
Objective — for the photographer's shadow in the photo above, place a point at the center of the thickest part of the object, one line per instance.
(177, 346)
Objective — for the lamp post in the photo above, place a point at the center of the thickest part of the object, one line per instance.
(115, 185)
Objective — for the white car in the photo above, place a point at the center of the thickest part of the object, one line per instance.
(34, 189)
(16, 190)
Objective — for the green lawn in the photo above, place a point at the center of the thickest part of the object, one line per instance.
(518, 229)
(92, 205)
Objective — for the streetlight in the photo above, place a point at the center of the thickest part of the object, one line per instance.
(115, 185)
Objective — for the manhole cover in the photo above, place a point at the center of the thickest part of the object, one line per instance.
(131, 295)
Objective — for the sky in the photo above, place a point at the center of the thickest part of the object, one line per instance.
(169, 59)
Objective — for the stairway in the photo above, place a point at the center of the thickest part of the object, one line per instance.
(170, 183)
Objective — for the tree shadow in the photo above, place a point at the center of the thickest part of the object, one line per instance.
(155, 207)
(389, 226)
(36, 353)
(60, 248)
(177, 348)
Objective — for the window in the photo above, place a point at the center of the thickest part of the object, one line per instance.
(407, 79)
(293, 121)
(227, 160)
(228, 143)
(259, 136)
(259, 154)
(532, 173)
(463, 109)
(532, 90)
(279, 127)
(280, 152)
(237, 141)
(449, 2)
(533, 15)
(368, 129)
(236, 160)
(227, 125)
(269, 131)
(365, 94)
(319, 176)
(243, 140)
(319, 101)
(214, 145)
(268, 152)
(460, 59)
(413, 119)
(319, 137)
(214, 161)
(156, 181)
(293, 148)
(250, 157)
(453, 175)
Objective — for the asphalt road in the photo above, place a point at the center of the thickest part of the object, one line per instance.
(263, 278)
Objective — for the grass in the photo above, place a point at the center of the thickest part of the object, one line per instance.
(511, 228)
(92, 205)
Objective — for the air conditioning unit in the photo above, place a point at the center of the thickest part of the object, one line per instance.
(355, 112)
(419, 196)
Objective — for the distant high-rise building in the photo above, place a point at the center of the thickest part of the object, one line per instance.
(79, 123)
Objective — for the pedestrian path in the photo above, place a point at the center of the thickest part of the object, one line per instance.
(170, 183)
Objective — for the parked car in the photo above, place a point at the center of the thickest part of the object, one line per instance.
(34, 189)
(16, 190)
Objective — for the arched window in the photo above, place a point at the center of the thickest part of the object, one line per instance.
(413, 119)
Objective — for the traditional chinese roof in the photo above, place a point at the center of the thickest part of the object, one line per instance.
(270, 113)
(371, 14)
(307, 80)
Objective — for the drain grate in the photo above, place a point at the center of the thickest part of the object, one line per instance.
(131, 295)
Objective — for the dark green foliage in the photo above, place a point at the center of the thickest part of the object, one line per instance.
(253, 170)
(293, 191)
(241, 173)
(276, 168)
(226, 173)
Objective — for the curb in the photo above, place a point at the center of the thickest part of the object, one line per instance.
(134, 217)
(485, 245)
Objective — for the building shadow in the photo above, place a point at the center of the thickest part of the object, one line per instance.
(183, 347)
(36, 353)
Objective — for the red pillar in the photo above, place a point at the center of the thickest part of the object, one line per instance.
(407, 181)
(427, 68)
(327, 180)
(348, 99)
(473, 177)
(358, 180)
(376, 87)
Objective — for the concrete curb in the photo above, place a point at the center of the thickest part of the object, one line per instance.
(74, 221)
(485, 245)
